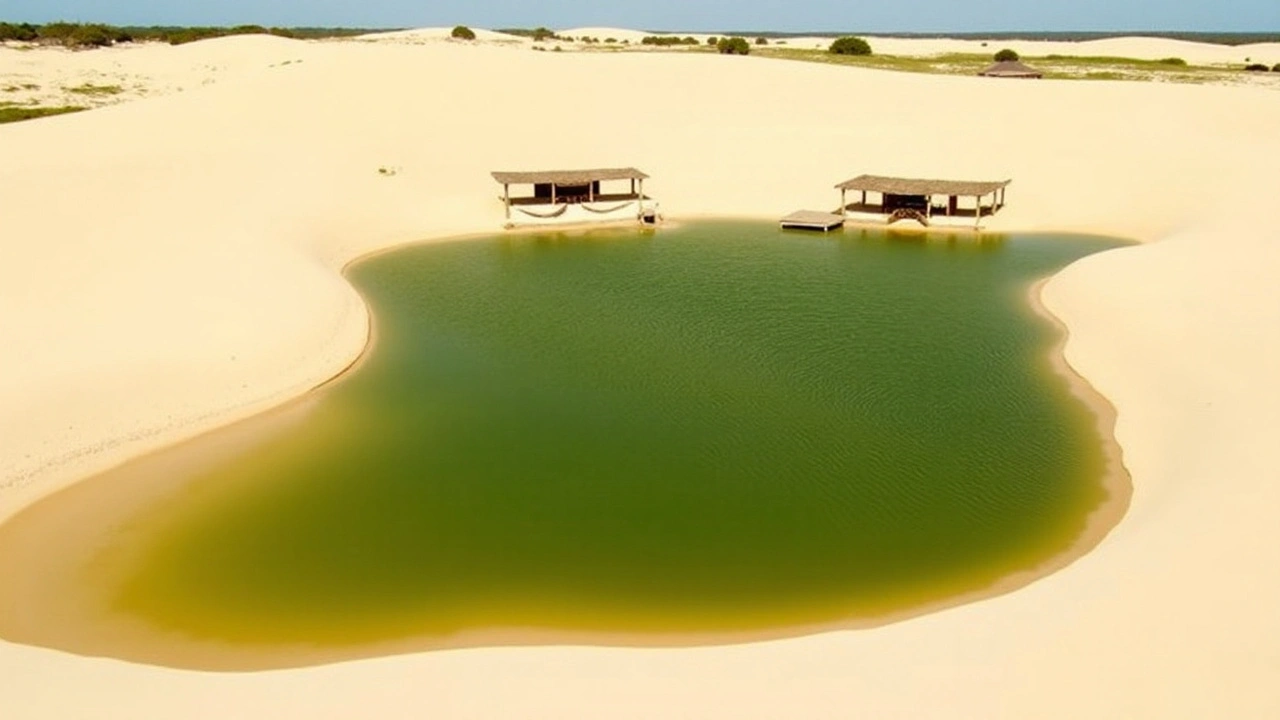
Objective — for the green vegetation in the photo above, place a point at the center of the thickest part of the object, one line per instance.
(1276, 68)
(26, 32)
(462, 32)
(16, 113)
(538, 34)
(92, 35)
(762, 41)
(850, 46)
(95, 90)
(82, 36)
(1179, 62)
(1255, 67)
(668, 40)
(1062, 67)
(1007, 55)
(711, 41)
(733, 46)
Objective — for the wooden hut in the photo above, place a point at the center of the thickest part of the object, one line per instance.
(1012, 69)
(556, 190)
(919, 200)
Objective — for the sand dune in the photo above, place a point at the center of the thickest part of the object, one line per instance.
(440, 33)
(171, 264)
(1139, 48)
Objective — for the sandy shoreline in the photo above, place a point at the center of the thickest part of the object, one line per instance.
(191, 280)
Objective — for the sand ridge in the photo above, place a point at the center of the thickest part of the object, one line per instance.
(171, 264)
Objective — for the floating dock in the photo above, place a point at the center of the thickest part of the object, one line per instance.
(812, 220)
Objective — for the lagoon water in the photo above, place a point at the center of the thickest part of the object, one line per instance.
(716, 428)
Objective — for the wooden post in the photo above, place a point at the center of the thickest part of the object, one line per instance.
(928, 207)
(553, 193)
(506, 198)
(952, 203)
(977, 212)
(844, 207)
(864, 198)
(591, 191)
(633, 186)
(640, 201)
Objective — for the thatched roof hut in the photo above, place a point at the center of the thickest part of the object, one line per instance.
(913, 198)
(1011, 69)
(913, 186)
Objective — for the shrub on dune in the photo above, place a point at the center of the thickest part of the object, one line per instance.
(850, 46)
(1007, 55)
(733, 46)
(1255, 67)
(26, 32)
(462, 32)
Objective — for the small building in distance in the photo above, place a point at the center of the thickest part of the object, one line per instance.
(577, 196)
(1012, 69)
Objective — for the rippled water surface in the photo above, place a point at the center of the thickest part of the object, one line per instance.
(714, 428)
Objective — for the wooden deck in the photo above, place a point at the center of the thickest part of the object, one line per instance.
(812, 220)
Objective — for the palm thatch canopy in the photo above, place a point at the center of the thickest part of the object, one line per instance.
(568, 177)
(1011, 69)
(912, 186)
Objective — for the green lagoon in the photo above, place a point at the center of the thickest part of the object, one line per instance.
(717, 428)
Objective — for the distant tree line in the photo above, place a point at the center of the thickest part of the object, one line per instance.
(668, 40)
(538, 34)
(1216, 38)
(91, 35)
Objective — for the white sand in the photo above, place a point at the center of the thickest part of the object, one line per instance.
(1136, 47)
(169, 265)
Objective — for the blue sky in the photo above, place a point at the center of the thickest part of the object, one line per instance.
(859, 15)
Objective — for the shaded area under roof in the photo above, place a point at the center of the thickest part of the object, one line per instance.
(1011, 69)
(568, 177)
(913, 186)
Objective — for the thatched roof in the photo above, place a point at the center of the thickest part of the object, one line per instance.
(1011, 69)
(568, 177)
(911, 186)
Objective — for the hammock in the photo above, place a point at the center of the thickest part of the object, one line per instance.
(614, 209)
(546, 216)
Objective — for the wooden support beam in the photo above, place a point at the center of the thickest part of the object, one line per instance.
(506, 198)
(844, 206)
